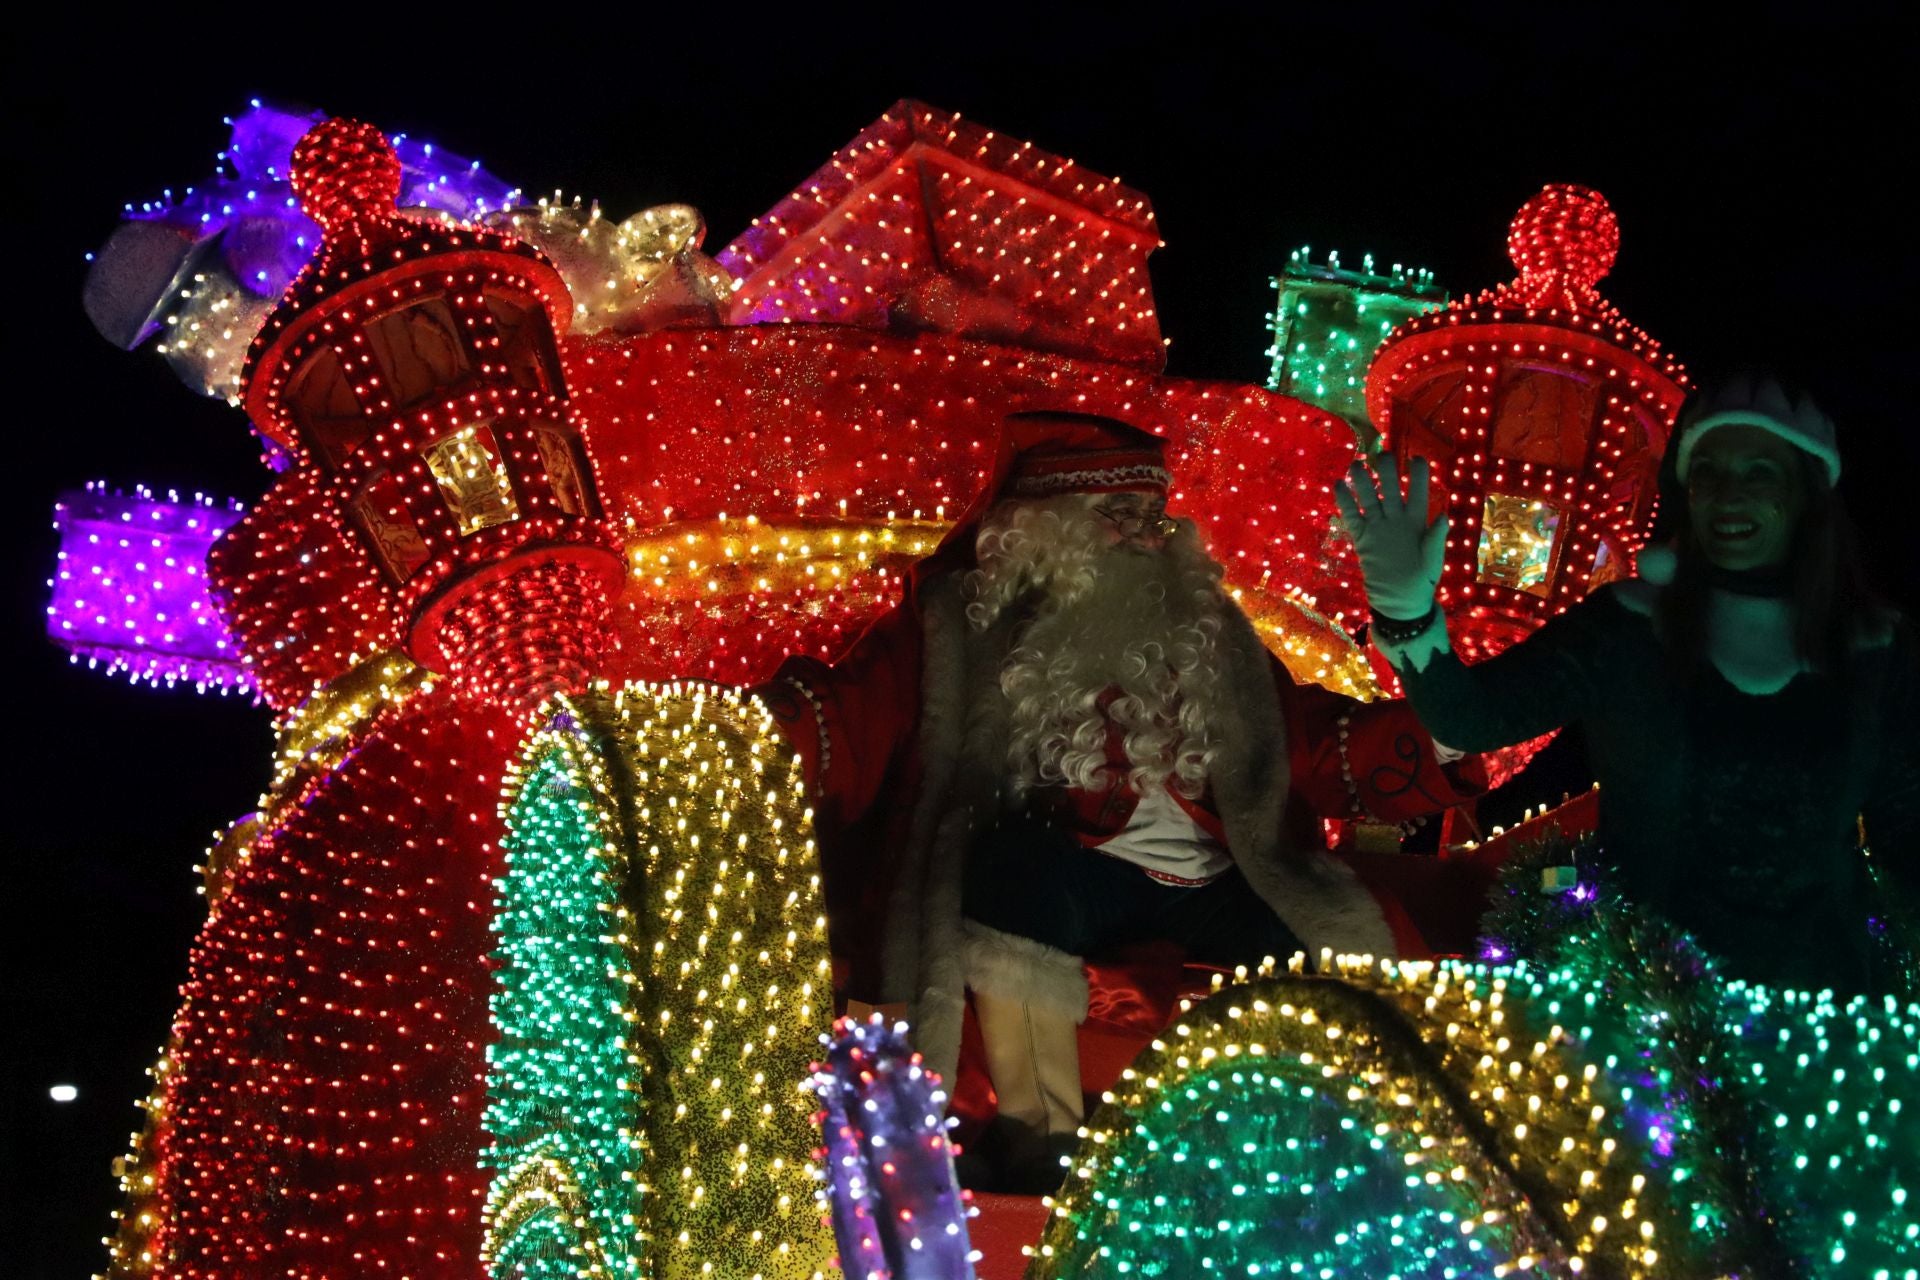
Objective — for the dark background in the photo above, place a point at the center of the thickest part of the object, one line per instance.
(1758, 166)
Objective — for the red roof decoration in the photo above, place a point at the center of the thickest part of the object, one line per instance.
(928, 222)
(766, 485)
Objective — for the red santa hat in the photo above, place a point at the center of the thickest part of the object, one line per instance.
(1044, 453)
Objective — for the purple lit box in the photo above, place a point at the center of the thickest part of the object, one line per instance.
(130, 592)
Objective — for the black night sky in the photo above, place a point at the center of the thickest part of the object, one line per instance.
(1755, 163)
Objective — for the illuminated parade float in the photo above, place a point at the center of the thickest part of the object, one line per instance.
(523, 966)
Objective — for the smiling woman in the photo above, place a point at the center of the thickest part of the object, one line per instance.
(1745, 494)
(1764, 523)
(1748, 706)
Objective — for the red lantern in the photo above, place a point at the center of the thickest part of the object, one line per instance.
(417, 365)
(1544, 414)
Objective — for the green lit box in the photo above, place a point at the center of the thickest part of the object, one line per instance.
(1329, 322)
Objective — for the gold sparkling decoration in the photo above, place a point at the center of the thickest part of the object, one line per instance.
(315, 736)
(737, 984)
(726, 557)
(644, 271)
(135, 1248)
(1312, 647)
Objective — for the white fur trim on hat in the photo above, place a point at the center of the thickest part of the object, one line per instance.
(1761, 402)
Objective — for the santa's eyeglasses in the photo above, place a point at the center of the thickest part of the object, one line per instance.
(1132, 524)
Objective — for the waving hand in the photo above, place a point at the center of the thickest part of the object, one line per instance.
(1400, 553)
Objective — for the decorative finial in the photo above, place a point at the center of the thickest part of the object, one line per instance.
(345, 171)
(1566, 236)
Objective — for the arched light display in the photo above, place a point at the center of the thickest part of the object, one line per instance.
(1466, 1120)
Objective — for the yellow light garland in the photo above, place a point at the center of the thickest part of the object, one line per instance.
(695, 559)
(314, 736)
(737, 985)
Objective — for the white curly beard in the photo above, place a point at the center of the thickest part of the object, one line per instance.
(1140, 623)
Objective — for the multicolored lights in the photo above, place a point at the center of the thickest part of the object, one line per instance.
(520, 965)
(1465, 1120)
(897, 1211)
(664, 977)
(204, 267)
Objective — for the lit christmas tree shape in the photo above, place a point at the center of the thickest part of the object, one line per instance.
(1420, 1120)
(665, 980)
(562, 1107)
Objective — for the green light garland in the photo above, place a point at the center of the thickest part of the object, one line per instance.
(1782, 1117)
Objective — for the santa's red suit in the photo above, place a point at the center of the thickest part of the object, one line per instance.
(905, 743)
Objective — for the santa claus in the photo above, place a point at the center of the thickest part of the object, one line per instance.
(1067, 738)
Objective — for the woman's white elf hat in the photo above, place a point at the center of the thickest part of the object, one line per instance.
(1758, 400)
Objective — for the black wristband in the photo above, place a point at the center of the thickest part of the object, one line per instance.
(1401, 630)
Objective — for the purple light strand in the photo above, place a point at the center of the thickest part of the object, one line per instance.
(130, 589)
(897, 1210)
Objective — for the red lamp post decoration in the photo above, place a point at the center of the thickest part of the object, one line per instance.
(1544, 414)
(416, 365)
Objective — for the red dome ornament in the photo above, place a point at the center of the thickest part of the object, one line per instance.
(344, 171)
(1564, 241)
(1545, 415)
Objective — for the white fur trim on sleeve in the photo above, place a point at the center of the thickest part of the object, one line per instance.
(1329, 909)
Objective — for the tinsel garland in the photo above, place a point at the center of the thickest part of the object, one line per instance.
(1693, 1076)
(138, 1241)
(1665, 996)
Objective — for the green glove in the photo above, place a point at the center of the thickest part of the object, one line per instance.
(1400, 553)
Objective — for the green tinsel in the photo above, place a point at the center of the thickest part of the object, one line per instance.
(1894, 925)
(1696, 1032)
